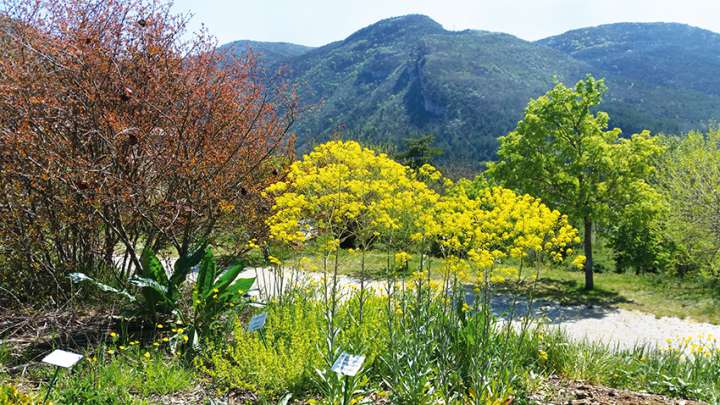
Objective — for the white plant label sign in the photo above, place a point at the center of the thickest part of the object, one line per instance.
(61, 358)
(348, 364)
(257, 322)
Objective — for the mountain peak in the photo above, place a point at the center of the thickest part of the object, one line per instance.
(397, 27)
(407, 75)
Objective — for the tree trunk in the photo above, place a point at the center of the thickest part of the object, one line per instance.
(587, 245)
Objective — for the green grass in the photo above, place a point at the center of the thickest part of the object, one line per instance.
(126, 378)
(662, 295)
(437, 355)
(665, 372)
(418, 351)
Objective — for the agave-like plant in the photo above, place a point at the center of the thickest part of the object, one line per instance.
(214, 291)
(158, 293)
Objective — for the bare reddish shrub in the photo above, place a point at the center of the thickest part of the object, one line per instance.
(115, 132)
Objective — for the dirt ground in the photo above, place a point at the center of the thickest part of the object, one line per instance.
(559, 391)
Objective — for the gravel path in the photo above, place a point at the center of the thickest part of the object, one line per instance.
(612, 326)
(615, 326)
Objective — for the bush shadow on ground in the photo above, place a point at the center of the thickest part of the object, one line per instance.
(555, 300)
(567, 293)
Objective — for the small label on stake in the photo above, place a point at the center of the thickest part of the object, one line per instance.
(257, 322)
(61, 358)
(348, 364)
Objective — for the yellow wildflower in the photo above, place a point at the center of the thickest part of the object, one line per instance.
(579, 262)
(402, 258)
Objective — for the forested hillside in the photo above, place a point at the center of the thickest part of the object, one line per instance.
(408, 76)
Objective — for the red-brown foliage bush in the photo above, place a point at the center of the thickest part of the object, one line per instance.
(117, 132)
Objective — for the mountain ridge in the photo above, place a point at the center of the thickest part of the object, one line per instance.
(406, 76)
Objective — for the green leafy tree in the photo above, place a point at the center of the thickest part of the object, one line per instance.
(689, 178)
(563, 152)
(419, 151)
(637, 233)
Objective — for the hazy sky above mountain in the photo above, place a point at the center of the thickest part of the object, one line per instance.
(317, 22)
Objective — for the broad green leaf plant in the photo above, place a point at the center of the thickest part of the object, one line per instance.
(214, 292)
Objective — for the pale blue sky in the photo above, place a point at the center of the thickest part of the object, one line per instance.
(317, 22)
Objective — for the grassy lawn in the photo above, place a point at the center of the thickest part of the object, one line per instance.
(661, 295)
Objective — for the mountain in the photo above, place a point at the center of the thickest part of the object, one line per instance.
(667, 75)
(408, 76)
(269, 54)
(667, 54)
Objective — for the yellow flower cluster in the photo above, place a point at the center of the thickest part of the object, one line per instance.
(579, 262)
(401, 258)
(499, 223)
(701, 345)
(342, 188)
(503, 274)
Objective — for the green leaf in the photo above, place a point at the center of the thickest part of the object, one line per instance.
(285, 400)
(152, 267)
(226, 278)
(77, 278)
(184, 264)
(206, 275)
(143, 282)
(238, 288)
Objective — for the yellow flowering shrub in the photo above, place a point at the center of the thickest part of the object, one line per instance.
(499, 223)
(342, 188)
